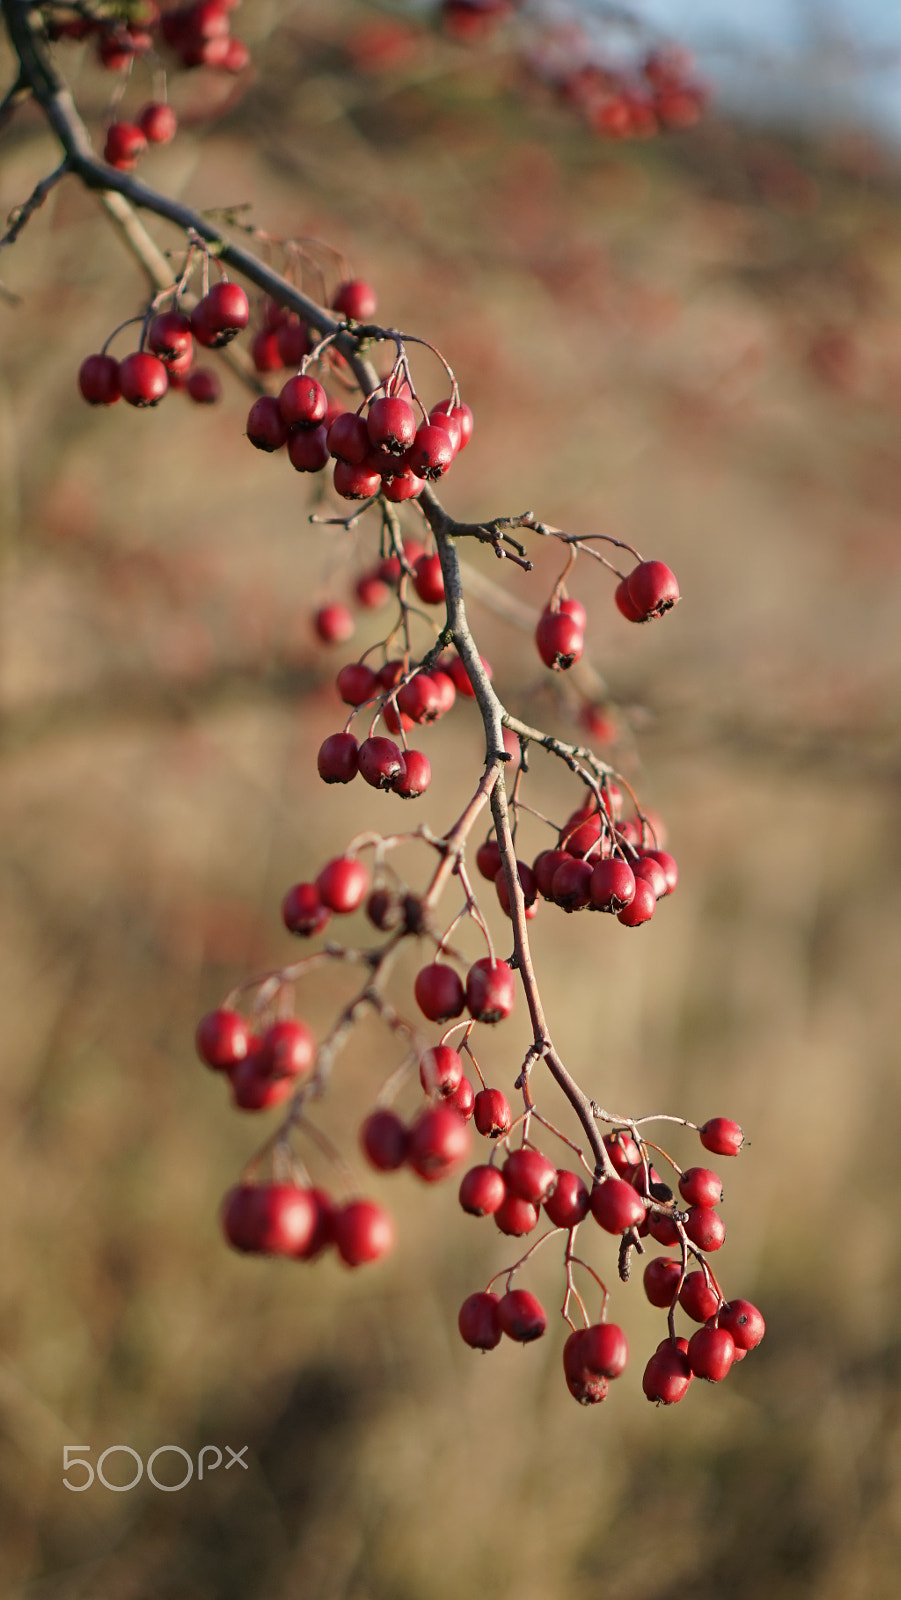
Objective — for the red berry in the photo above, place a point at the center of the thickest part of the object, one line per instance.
(545, 866)
(391, 424)
(667, 864)
(516, 1216)
(380, 762)
(451, 426)
(302, 402)
(522, 1317)
(204, 387)
(221, 314)
(356, 482)
(461, 414)
(652, 872)
(490, 990)
(569, 1203)
(439, 992)
(98, 380)
(493, 1116)
(585, 1385)
(343, 884)
(488, 859)
(253, 1089)
(701, 1187)
(142, 379)
(711, 1352)
(293, 339)
(169, 336)
(612, 885)
(652, 589)
(431, 452)
(323, 1228)
(428, 579)
(440, 1071)
(266, 427)
(661, 1277)
(624, 1154)
(463, 1099)
(478, 1322)
(158, 123)
(721, 1137)
(264, 351)
(744, 1322)
(705, 1228)
(663, 1228)
(355, 299)
(482, 1191)
(625, 604)
(571, 884)
(526, 882)
(416, 777)
(438, 1140)
(559, 639)
(334, 624)
(529, 1174)
(363, 1232)
(667, 1375)
(269, 1218)
(697, 1299)
(641, 906)
(287, 1049)
(337, 760)
(357, 683)
(348, 439)
(125, 142)
(420, 698)
(302, 910)
(603, 1350)
(307, 449)
(616, 1206)
(384, 1140)
(222, 1039)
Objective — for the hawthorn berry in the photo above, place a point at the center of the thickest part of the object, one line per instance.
(624, 1154)
(287, 1049)
(125, 142)
(348, 439)
(668, 1374)
(705, 1228)
(254, 1090)
(529, 1174)
(292, 338)
(357, 683)
(701, 1187)
(440, 1071)
(463, 1099)
(439, 992)
(652, 872)
(98, 380)
(437, 1141)
(266, 427)
(661, 1279)
(220, 315)
(616, 1206)
(363, 1232)
(355, 299)
(478, 1321)
(384, 1140)
(428, 579)
(269, 1218)
(169, 336)
(482, 1191)
(571, 884)
(612, 885)
(493, 1116)
(143, 380)
(721, 1137)
(697, 1298)
(158, 122)
(356, 481)
(667, 864)
(334, 624)
(488, 859)
(490, 990)
(380, 762)
(222, 1038)
(652, 589)
(522, 1317)
(204, 387)
(569, 1204)
(391, 424)
(302, 402)
(559, 639)
(307, 449)
(711, 1352)
(640, 908)
(431, 452)
(338, 758)
(744, 1322)
(342, 884)
(515, 1216)
(585, 1385)
(462, 415)
(302, 910)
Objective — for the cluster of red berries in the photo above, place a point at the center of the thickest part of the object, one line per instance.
(283, 338)
(649, 590)
(164, 359)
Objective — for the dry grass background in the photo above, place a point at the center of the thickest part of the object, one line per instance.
(695, 345)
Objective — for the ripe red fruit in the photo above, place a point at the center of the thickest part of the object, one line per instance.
(460, 413)
(302, 910)
(348, 439)
(125, 142)
(701, 1187)
(266, 427)
(652, 589)
(640, 908)
(323, 1228)
(380, 762)
(529, 1174)
(569, 1203)
(697, 1299)
(142, 379)
(721, 1137)
(363, 1232)
(431, 452)
(334, 624)
(302, 402)
(545, 866)
(451, 426)
(384, 1140)
(158, 123)
(420, 698)
(616, 1206)
(521, 1316)
(652, 872)
(355, 299)
(463, 1099)
(98, 380)
(307, 449)
(604, 1350)
(269, 1218)
(222, 1039)
(663, 1228)
(287, 1049)
(705, 1228)
(343, 884)
(711, 1352)
(437, 1142)
(356, 482)
(204, 387)
(293, 339)
(493, 1116)
(220, 315)
(625, 604)
(482, 1191)
(254, 1090)
(559, 640)
(744, 1322)
(338, 758)
(660, 1279)
(571, 884)
(440, 1071)
(391, 424)
(488, 859)
(264, 351)
(490, 990)
(357, 683)
(439, 992)
(516, 1216)
(612, 885)
(371, 591)
(478, 1323)
(169, 336)
(526, 882)
(667, 864)
(585, 1385)
(624, 1154)
(428, 579)
(667, 1375)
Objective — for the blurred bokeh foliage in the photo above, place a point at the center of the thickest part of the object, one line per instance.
(693, 344)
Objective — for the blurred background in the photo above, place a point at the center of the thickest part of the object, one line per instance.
(692, 343)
